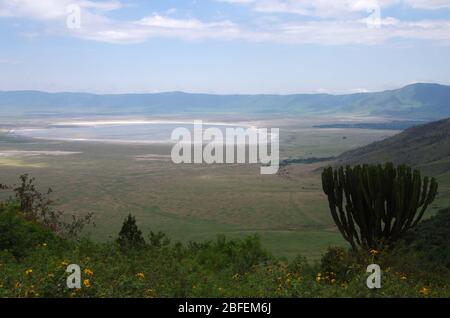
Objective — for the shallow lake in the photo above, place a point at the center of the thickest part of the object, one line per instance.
(119, 131)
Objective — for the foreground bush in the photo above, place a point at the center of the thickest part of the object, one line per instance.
(427, 248)
(37, 206)
(218, 268)
(19, 235)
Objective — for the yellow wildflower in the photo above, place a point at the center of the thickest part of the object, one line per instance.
(88, 272)
(31, 293)
(374, 252)
(140, 275)
(150, 293)
(424, 291)
(44, 244)
(28, 271)
(87, 283)
(318, 277)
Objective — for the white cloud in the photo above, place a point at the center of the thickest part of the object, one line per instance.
(316, 8)
(41, 10)
(237, 1)
(356, 32)
(156, 26)
(51, 9)
(341, 22)
(334, 8)
(105, 5)
(428, 4)
(190, 24)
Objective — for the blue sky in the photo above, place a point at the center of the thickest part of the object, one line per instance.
(223, 46)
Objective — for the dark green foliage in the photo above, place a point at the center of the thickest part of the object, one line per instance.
(338, 263)
(423, 254)
(38, 206)
(299, 265)
(428, 245)
(130, 235)
(373, 205)
(240, 255)
(18, 235)
(158, 240)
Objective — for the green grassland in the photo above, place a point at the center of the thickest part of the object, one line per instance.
(196, 202)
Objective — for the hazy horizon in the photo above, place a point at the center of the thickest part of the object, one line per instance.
(350, 92)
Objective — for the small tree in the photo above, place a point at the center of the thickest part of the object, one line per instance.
(130, 235)
(373, 206)
(38, 206)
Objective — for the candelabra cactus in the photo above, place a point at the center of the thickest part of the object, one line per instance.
(374, 205)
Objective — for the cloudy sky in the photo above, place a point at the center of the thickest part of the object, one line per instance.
(223, 46)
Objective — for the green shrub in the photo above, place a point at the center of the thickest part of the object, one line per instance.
(299, 265)
(339, 264)
(158, 240)
(38, 206)
(427, 248)
(19, 235)
(239, 255)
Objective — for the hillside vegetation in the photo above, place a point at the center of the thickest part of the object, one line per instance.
(426, 147)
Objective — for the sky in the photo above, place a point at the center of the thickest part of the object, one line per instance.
(223, 46)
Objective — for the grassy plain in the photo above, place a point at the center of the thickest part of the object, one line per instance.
(195, 202)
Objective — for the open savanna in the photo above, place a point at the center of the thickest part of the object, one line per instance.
(193, 202)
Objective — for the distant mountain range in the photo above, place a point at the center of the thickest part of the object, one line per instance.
(425, 146)
(417, 101)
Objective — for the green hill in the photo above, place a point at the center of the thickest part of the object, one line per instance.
(417, 101)
(425, 146)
